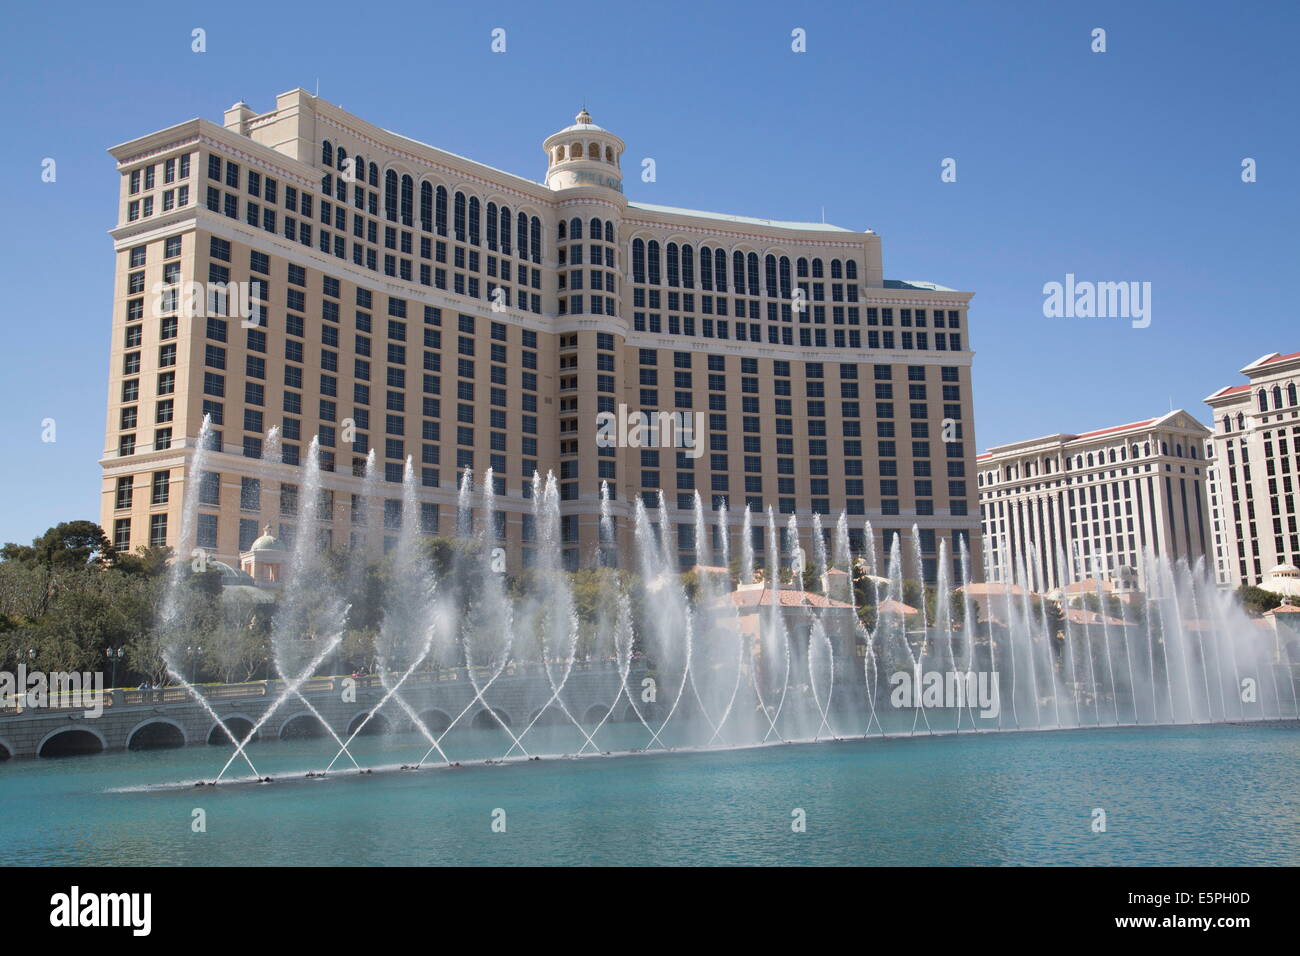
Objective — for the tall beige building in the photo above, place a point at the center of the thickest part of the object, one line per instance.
(1064, 507)
(411, 301)
(1256, 456)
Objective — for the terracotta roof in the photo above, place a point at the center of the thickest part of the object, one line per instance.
(1284, 609)
(1079, 616)
(1115, 428)
(896, 607)
(979, 588)
(1088, 586)
(789, 597)
(1280, 358)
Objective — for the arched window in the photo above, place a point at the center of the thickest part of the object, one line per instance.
(1290, 394)
(720, 269)
(1263, 400)
(738, 271)
(638, 260)
(1277, 396)
(837, 269)
(326, 153)
(1178, 450)
(769, 275)
(475, 209)
(609, 154)
(1089, 459)
(674, 275)
(535, 239)
(440, 210)
(785, 276)
(458, 209)
(575, 151)
(706, 268)
(559, 154)
(609, 231)
(817, 272)
(408, 199)
(1146, 449)
(751, 268)
(563, 232)
(491, 223)
(426, 206)
(850, 269)
(688, 266)
(390, 195)
(342, 158)
(593, 150)
(521, 235)
(597, 229)
(374, 176)
(653, 260)
(575, 228)
(1241, 421)
(506, 221)
(802, 266)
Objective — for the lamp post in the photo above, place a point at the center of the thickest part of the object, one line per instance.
(114, 654)
(194, 652)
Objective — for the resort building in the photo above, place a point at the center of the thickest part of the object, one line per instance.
(306, 270)
(1256, 456)
(1065, 507)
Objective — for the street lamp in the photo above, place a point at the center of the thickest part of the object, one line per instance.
(115, 655)
(194, 665)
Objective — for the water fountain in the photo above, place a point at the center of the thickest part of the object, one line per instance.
(759, 660)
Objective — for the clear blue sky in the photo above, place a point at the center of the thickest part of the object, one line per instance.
(1116, 166)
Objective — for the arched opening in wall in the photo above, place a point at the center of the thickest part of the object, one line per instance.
(552, 716)
(376, 725)
(238, 726)
(71, 743)
(302, 727)
(156, 735)
(435, 720)
(484, 719)
(595, 714)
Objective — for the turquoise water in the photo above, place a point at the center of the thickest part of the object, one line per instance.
(1215, 795)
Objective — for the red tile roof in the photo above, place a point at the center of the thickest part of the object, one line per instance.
(1115, 428)
(1281, 358)
(789, 597)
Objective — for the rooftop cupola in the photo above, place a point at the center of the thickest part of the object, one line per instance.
(584, 154)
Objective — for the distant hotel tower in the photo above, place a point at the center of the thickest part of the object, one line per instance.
(1066, 507)
(1256, 461)
(426, 305)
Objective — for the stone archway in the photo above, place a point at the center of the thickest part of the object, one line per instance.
(238, 724)
(156, 733)
(71, 742)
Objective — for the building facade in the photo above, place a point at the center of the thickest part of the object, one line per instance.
(306, 270)
(1066, 507)
(1256, 456)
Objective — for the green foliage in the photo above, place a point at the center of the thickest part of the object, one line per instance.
(67, 546)
(1257, 601)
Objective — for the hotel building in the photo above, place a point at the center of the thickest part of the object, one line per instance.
(1256, 456)
(1065, 507)
(414, 302)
